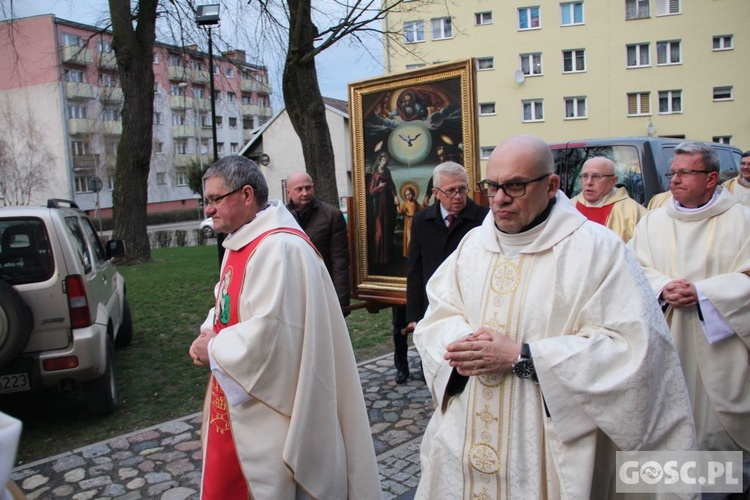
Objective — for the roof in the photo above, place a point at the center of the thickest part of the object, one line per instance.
(338, 104)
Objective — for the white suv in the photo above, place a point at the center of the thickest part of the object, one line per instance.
(63, 307)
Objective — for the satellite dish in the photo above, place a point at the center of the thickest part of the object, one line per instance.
(518, 76)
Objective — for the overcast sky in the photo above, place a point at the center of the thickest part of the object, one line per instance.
(337, 66)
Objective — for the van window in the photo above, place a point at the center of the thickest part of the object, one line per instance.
(729, 160)
(569, 163)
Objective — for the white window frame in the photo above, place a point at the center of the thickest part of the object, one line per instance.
(178, 118)
(231, 96)
(414, 31)
(161, 178)
(637, 9)
(219, 121)
(71, 40)
(485, 63)
(638, 53)
(672, 97)
(233, 147)
(526, 15)
(574, 60)
(74, 75)
(483, 18)
(668, 52)
(158, 148)
(105, 45)
(229, 71)
(722, 139)
(570, 7)
(723, 42)
(180, 146)
(485, 152)
(181, 177)
(723, 93)
(174, 60)
(531, 63)
(415, 65)
(442, 28)
(638, 98)
(110, 114)
(667, 7)
(79, 148)
(487, 109)
(534, 106)
(76, 110)
(177, 90)
(577, 113)
(232, 121)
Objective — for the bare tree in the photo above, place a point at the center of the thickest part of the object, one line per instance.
(24, 157)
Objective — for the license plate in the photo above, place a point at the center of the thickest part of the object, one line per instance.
(15, 382)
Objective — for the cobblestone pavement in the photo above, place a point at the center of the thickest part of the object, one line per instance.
(164, 461)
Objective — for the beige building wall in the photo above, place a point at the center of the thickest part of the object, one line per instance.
(606, 81)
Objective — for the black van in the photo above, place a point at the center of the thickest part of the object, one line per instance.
(642, 162)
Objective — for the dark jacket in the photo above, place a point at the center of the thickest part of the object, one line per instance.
(326, 227)
(431, 243)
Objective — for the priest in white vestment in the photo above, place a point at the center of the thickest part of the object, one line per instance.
(740, 186)
(543, 348)
(695, 251)
(284, 416)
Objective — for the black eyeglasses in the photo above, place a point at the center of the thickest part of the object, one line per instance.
(512, 189)
(685, 173)
(450, 193)
(214, 202)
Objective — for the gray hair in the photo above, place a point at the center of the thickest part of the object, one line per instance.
(708, 155)
(237, 171)
(448, 169)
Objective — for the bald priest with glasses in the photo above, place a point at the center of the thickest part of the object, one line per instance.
(603, 202)
(544, 349)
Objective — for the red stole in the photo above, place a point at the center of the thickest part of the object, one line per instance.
(223, 478)
(596, 214)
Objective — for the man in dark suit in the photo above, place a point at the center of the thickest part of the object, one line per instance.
(326, 227)
(435, 234)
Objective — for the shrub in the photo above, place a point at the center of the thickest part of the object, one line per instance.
(200, 238)
(180, 237)
(163, 238)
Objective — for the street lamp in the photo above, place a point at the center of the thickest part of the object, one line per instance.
(208, 15)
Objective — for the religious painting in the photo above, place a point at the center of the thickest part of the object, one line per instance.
(402, 126)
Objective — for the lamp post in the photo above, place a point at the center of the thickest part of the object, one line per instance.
(208, 15)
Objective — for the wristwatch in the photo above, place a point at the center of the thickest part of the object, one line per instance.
(524, 365)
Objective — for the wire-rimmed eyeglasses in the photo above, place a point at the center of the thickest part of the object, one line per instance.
(214, 202)
(512, 189)
(594, 177)
(685, 172)
(450, 193)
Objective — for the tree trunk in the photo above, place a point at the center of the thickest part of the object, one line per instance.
(134, 49)
(305, 104)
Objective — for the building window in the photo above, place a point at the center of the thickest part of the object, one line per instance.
(413, 31)
(636, 9)
(485, 63)
(156, 58)
(670, 101)
(199, 92)
(531, 64)
(178, 118)
(233, 147)
(70, 39)
(196, 65)
(174, 60)
(575, 108)
(79, 148)
(220, 148)
(231, 96)
(668, 52)
(180, 146)
(247, 99)
(528, 18)
(105, 46)
(637, 55)
(722, 139)
(232, 122)
(74, 75)
(482, 18)
(219, 121)
(76, 110)
(110, 147)
(181, 177)
(415, 65)
(485, 152)
(157, 118)
(723, 94)
(441, 28)
(574, 61)
(217, 95)
(107, 80)
(723, 42)
(110, 114)
(533, 110)
(666, 7)
(639, 103)
(486, 108)
(262, 101)
(230, 72)
(161, 178)
(176, 90)
(158, 147)
(205, 120)
(82, 183)
(571, 13)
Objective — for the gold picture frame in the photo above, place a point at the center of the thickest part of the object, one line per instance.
(402, 126)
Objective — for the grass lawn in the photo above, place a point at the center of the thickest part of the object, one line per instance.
(156, 379)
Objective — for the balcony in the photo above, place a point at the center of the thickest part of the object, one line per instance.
(185, 160)
(107, 60)
(183, 131)
(111, 127)
(79, 126)
(78, 90)
(110, 94)
(180, 102)
(178, 73)
(266, 111)
(77, 54)
(249, 85)
(203, 104)
(85, 162)
(250, 110)
(199, 76)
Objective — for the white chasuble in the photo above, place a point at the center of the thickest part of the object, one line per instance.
(608, 373)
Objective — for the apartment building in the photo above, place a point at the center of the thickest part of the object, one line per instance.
(566, 70)
(61, 77)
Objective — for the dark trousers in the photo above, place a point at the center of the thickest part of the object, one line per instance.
(400, 344)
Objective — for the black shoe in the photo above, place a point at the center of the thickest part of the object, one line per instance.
(401, 377)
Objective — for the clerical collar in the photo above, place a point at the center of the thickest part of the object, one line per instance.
(539, 218)
(742, 182)
(686, 210)
(603, 201)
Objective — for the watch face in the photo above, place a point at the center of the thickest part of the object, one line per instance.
(524, 368)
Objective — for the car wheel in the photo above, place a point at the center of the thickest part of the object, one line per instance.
(101, 393)
(125, 333)
(16, 323)
(208, 232)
